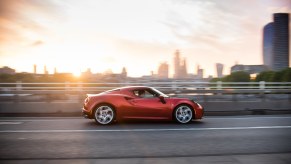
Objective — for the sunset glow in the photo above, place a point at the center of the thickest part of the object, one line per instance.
(74, 35)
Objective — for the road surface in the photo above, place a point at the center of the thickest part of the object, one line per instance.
(229, 139)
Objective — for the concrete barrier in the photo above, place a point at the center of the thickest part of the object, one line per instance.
(211, 108)
(247, 107)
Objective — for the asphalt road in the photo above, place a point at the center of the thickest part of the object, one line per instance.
(240, 139)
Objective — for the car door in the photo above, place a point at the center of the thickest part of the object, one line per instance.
(149, 106)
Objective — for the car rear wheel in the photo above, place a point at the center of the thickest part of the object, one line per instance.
(104, 114)
(183, 114)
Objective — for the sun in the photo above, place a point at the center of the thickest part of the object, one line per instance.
(77, 73)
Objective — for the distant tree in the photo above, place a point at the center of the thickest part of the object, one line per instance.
(7, 78)
(30, 78)
(286, 76)
(24, 77)
(265, 76)
(239, 76)
(278, 76)
(282, 76)
(215, 79)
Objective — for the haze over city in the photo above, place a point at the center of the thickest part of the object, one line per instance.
(103, 35)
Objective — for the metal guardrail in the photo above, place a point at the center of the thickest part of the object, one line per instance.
(202, 91)
(167, 87)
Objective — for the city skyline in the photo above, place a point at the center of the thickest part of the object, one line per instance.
(161, 72)
(102, 35)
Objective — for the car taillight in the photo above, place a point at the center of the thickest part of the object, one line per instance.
(86, 100)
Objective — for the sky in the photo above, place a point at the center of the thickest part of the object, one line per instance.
(107, 35)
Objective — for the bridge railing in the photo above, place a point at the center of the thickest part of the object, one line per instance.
(67, 90)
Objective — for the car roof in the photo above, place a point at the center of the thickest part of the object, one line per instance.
(127, 88)
(133, 87)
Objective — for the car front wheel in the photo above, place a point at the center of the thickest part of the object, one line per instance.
(104, 114)
(183, 114)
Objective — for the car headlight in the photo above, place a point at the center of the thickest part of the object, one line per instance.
(197, 104)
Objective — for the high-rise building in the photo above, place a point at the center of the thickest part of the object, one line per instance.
(199, 72)
(281, 41)
(124, 72)
(45, 70)
(219, 70)
(87, 73)
(34, 68)
(176, 64)
(268, 36)
(276, 42)
(183, 69)
(180, 68)
(163, 71)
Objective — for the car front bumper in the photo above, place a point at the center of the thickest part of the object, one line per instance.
(86, 114)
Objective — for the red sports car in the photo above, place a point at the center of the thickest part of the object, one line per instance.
(139, 102)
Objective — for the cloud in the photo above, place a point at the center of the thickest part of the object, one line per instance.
(17, 22)
(217, 24)
(37, 43)
(149, 52)
(150, 31)
(220, 31)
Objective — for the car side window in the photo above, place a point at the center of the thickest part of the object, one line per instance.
(142, 93)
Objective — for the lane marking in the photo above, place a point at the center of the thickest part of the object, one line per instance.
(44, 120)
(10, 123)
(247, 117)
(204, 118)
(145, 130)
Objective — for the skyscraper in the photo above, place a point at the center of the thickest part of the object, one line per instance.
(268, 35)
(281, 41)
(199, 72)
(34, 68)
(123, 73)
(163, 71)
(180, 67)
(45, 70)
(176, 64)
(219, 70)
(276, 42)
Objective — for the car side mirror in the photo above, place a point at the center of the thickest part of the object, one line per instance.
(162, 99)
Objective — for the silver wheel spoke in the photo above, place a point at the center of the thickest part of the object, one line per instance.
(102, 119)
(108, 117)
(104, 114)
(183, 114)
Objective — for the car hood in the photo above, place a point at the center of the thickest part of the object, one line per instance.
(177, 98)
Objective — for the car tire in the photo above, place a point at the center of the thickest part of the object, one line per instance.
(183, 114)
(104, 114)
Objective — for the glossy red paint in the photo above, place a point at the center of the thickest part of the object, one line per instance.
(128, 104)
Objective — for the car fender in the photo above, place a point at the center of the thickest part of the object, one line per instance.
(177, 102)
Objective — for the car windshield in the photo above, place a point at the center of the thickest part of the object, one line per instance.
(159, 92)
